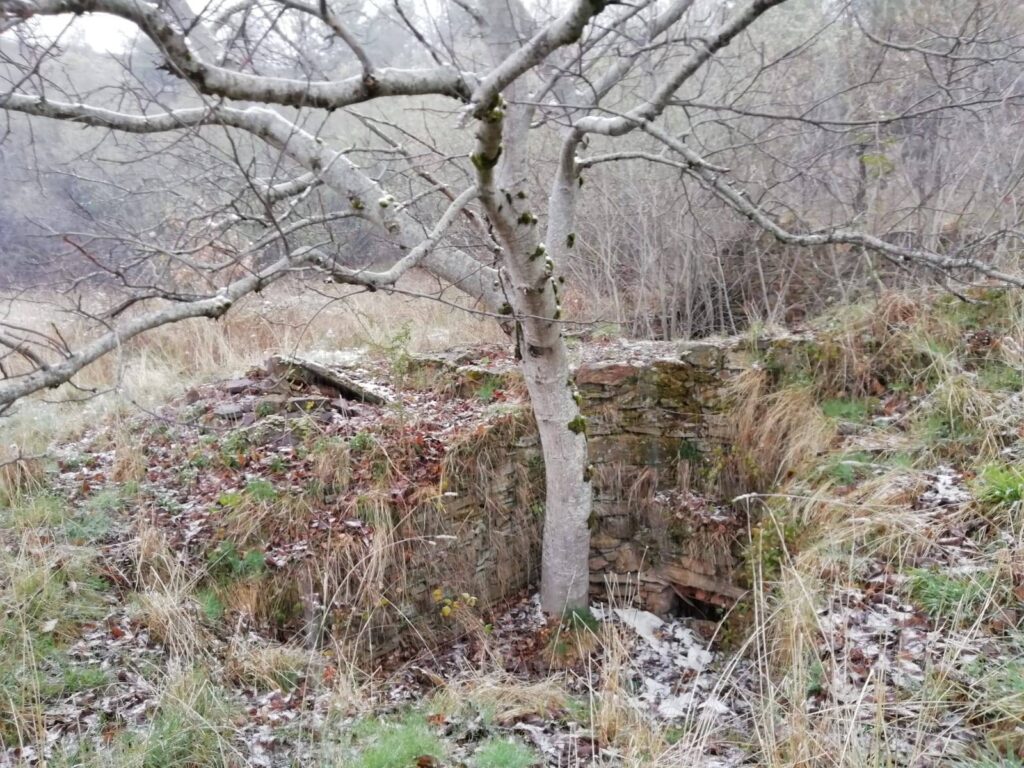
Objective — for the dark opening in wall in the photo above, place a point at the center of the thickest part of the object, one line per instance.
(687, 606)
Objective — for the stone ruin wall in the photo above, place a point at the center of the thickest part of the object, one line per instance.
(664, 532)
(480, 537)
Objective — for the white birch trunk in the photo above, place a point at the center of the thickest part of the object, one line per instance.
(565, 575)
(531, 288)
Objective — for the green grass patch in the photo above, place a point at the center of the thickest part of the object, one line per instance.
(111, 500)
(192, 727)
(989, 308)
(49, 593)
(1000, 484)
(999, 377)
(88, 528)
(848, 468)
(899, 460)
(41, 510)
(504, 753)
(76, 679)
(397, 745)
(228, 563)
(35, 671)
(261, 490)
(857, 410)
(944, 596)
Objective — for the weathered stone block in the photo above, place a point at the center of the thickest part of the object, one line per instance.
(613, 374)
(620, 526)
(628, 558)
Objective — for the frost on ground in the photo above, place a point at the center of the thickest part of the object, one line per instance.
(669, 666)
(899, 641)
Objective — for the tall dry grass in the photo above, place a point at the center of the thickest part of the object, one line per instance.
(287, 318)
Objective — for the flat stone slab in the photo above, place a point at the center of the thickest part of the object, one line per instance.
(299, 369)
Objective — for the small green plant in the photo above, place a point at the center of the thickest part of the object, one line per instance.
(360, 442)
(1000, 484)
(234, 446)
(488, 388)
(856, 410)
(72, 464)
(578, 425)
(265, 408)
(1000, 377)
(899, 459)
(938, 426)
(261, 490)
(112, 500)
(227, 563)
(199, 461)
(942, 595)
(230, 499)
(815, 678)
(89, 528)
(403, 745)
(773, 542)
(848, 468)
(581, 620)
(689, 451)
(396, 350)
(504, 753)
(211, 605)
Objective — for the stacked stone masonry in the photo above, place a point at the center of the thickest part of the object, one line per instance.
(665, 533)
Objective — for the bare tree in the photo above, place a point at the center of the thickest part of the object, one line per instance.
(304, 152)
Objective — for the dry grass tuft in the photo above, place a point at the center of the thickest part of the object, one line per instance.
(332, 464)
(172, 617)
(268, 666)
(614, 718)
(151, 555)
(130, 461)
(19, 478)
(776, 432)
(508, 698)
(165, 604)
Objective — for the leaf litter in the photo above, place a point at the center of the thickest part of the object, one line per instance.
(876, 649)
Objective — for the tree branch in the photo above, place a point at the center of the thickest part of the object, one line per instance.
(375, 280)
(713, 180)
(564, 30)
(706, 48)
(56, 374)
(213, 80)
(367, 197)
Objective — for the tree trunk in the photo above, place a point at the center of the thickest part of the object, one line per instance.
(565, 573)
